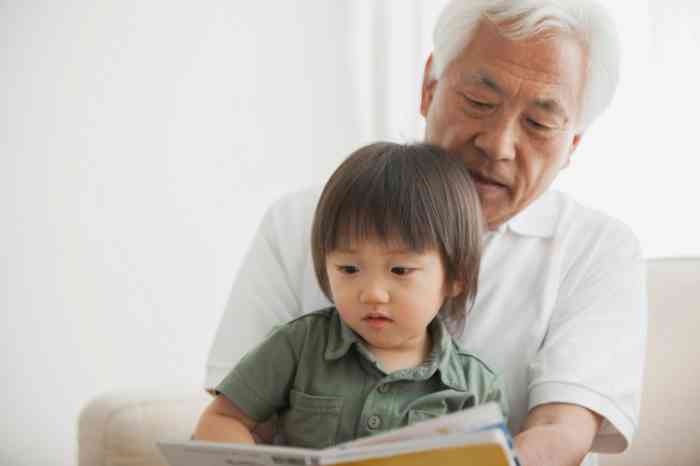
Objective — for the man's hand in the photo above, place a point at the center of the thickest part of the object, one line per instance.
(557, 434)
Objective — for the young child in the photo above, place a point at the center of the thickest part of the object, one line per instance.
(396, 244)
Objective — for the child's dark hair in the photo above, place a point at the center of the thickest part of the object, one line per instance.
(416, 194)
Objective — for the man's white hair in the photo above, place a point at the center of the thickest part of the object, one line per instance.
(586, 20)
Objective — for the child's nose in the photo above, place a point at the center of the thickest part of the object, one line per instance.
(374, 294)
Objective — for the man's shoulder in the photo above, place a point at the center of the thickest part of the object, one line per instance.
(286, 226)
(561, 216)
(293, 203)
(578, 221)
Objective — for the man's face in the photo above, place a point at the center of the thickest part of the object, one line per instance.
(509, 110)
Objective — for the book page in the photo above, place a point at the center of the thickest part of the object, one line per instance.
(220, 454)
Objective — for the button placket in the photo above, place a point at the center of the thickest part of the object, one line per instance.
(374, 422)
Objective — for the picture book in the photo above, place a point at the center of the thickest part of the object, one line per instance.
(473, 437)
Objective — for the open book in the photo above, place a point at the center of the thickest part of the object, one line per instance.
(474, 437)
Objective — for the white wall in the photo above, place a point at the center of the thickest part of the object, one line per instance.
(142, 139)
(140, 143)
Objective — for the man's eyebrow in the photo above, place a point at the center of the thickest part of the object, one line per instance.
(485, 80)
(552, 106)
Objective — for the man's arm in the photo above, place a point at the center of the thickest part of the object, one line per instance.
(584, 384)
(557, 434)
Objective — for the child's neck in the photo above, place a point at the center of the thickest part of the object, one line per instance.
(395, 359)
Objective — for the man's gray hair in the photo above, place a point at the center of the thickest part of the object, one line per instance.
(586, 20)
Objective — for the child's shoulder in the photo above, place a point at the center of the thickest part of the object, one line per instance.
(310, 329)
(469, 361)
(321, 316)
(310, 322)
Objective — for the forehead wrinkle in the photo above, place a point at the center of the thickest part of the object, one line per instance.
(528, 74)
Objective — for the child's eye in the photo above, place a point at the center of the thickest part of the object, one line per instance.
(399, 270)
(348, 269)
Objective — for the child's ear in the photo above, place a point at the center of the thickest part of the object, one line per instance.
(456, 289)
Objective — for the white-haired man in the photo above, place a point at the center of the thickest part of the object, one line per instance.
(561, 311)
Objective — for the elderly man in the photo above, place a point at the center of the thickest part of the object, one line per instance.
(509, 89)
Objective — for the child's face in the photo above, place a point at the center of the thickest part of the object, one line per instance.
(387, 294)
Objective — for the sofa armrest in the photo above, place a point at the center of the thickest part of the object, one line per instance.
(122, 428)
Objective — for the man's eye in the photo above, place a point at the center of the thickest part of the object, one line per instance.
(479, 105)
(537, 125)
(348, 269)
(398, 270)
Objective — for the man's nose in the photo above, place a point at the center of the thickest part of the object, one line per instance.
(374, 293)
(498, 139)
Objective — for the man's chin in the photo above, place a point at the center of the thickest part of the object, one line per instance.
(496, 208)
(496, 218)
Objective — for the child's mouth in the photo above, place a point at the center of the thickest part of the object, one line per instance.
(377, 321)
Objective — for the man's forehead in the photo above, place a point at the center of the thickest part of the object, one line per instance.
(496, 77)
(555, 62)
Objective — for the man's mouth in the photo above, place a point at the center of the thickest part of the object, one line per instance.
(484, 179)
(487, 180)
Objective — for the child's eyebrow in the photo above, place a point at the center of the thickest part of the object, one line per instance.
(343, 251)
(398, 251)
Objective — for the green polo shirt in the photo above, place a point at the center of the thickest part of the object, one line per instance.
(318, 376)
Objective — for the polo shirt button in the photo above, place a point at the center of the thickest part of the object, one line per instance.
(384, 388)
(374, 422)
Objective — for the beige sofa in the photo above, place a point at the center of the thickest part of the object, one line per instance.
(122, 428)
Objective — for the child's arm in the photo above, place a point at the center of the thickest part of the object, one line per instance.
(223, 421)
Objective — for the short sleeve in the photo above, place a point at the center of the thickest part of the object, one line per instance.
(593, 352)
(260, 383)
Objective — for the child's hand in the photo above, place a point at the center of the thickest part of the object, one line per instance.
(265, 431)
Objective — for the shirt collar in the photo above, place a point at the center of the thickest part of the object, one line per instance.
(539, 219)
(442, 357)
(340, 339)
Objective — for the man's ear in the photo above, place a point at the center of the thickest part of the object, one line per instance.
(428, 87)
(574, 144)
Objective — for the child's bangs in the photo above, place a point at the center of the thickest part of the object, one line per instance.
(388, 212)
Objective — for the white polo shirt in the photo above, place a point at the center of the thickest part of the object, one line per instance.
(560, 310)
